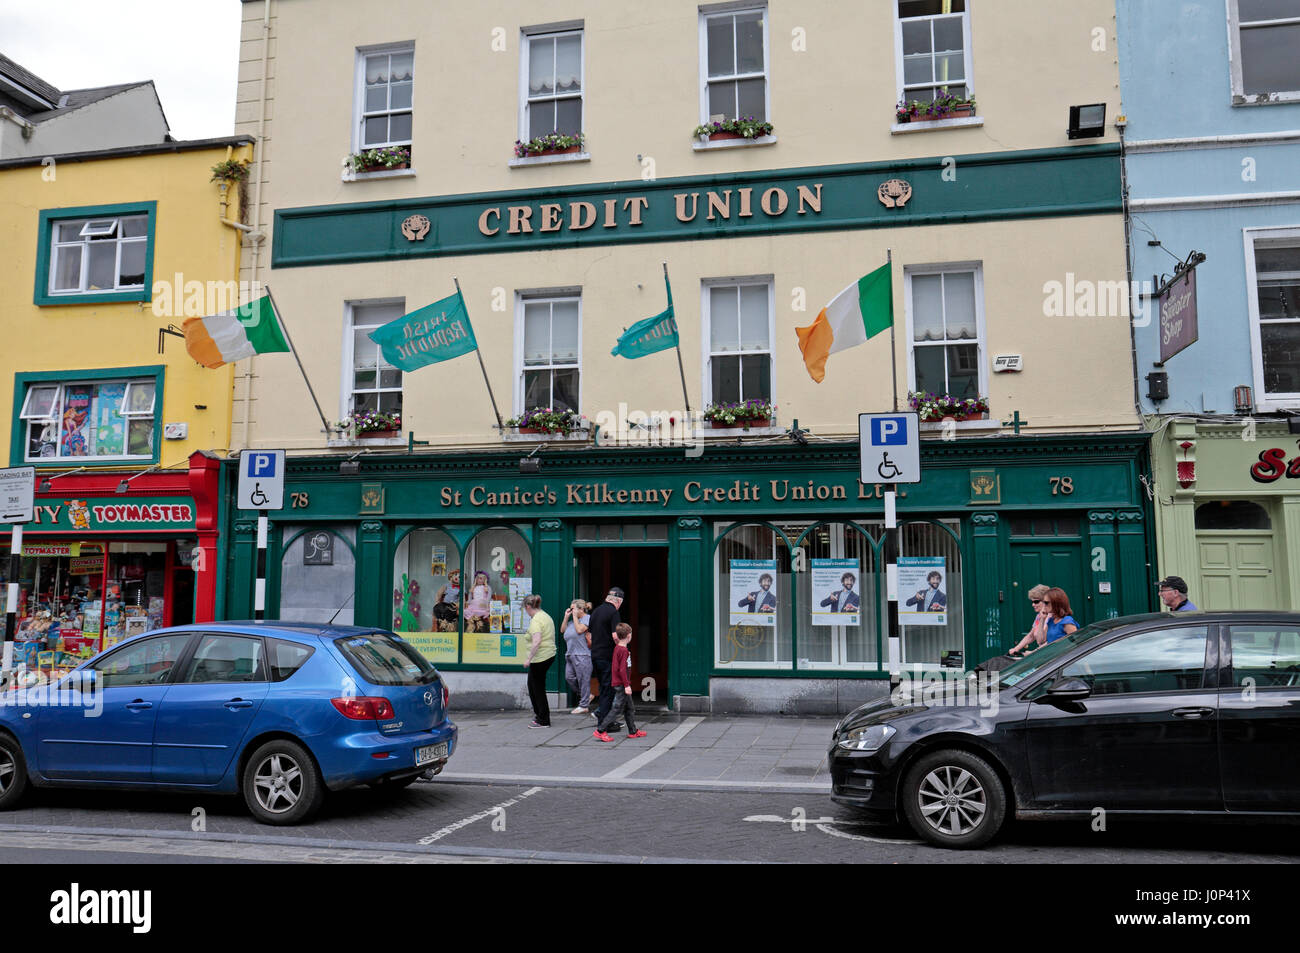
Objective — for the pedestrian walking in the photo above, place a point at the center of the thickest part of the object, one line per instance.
(604, 620)
(541, 653)
(622, 682)
(1060, 623)
(577, 653)
(1036, 637)
(1173, 593)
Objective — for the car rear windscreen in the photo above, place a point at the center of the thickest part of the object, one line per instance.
(384, 659)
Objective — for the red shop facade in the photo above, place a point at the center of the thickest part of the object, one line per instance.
(111, 555)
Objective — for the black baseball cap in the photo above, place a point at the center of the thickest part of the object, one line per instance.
(617, 593)
(1173, 582)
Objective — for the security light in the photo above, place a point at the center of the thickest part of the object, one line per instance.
(1087, 122)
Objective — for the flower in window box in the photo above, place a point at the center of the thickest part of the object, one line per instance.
(381, 160)
(944, 107)
(752, 412)
(372, 424)
(548, 421)
(552, 144)
(934, 407)
(747, 127)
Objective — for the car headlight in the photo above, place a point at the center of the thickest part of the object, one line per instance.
(866, 739)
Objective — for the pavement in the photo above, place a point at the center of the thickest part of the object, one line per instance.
(755, 753)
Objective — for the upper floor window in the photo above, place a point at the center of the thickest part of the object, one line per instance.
(932, 43)
(738, 316)
(1276, 272)
(945, 330)
(103, 419)
(385, 80)
(733, 47)
(552, 75)
(99, 253)
(1265, 35)
(548, 366)
(373, 385)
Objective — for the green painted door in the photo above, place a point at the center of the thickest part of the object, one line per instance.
(1236, 571)
(1052, 563)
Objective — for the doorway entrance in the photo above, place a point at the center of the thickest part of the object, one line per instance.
(642, 573)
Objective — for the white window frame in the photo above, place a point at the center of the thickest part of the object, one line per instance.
(93, 231)
(981, 340)
(731, 9)
(1239, 95)
(706, 345)
(31, 419)
(359, 96)
(968, 82)
(1250, 238)
(348, 364)
(125, 411)
(839, 639)
(535, 296)
(723, 599)
(527, 35)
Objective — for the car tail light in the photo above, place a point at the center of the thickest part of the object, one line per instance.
(446, 696)
(364, 708)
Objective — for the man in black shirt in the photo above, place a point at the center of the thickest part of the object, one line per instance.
(604, 619)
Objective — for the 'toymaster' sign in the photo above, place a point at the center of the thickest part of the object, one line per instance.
(109, 514)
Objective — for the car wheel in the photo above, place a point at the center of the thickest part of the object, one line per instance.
(954, 799)
(13, 772)
(281, 783)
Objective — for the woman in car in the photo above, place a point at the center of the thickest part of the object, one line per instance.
(1059, 622)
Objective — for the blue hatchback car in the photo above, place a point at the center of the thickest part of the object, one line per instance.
(278, 712)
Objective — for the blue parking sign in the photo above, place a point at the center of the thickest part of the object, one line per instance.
(261, 480)
(888, 431)
(889, 448)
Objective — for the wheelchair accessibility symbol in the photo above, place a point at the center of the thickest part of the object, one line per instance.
(257, 497)
(887, 468)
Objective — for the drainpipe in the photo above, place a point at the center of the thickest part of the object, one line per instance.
(254, 232)
(1128, 267)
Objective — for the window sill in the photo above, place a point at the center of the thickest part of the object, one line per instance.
(350, 176)
(708, 146)
(559, 159)
(92, 297)
(937, 426)
(768, 431)
(1266, 99)
(357, 442)
(931, 125)
(510, 435)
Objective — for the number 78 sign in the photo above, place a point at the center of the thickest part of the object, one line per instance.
(890, 448)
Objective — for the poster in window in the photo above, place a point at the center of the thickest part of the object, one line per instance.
(438, 562)
(110, 426)
(76, 416)
(836, 591)
(753, 591)
(318, 549)
(922, 590)
(520, 588)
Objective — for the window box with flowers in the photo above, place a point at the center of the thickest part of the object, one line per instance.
(555, 147)
(935, 407)
(944, 107)
(748, 414)
(372, 425)
(384, 159)
(550, 423)
(745, 131)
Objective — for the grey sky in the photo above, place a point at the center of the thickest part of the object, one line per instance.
(189, 48)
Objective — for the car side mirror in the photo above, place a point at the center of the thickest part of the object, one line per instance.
(1067, 690)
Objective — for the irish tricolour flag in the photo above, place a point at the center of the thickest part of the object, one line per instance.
(233, 335)
(860, 311)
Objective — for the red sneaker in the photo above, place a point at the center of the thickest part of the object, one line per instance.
(637, 734)
(601, 736)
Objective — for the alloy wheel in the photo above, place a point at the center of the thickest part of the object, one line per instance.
(278, 782)
(952, 800)
(8, 770)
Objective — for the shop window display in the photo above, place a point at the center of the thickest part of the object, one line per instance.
(838, 615)
(108, 419)
(427, 593)
(752, 596)
(934, 550)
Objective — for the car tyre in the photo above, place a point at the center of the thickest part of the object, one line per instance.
(954, 799)
(281, 783)
(13, 772)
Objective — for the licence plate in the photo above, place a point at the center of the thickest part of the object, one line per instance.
(430, 753)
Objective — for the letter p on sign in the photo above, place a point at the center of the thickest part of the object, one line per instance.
(889, 432)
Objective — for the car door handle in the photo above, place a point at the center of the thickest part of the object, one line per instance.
(1192, 712)
(236, 703)
(139, 705)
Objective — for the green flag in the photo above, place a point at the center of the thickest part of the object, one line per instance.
(652, 334)
(434, 333)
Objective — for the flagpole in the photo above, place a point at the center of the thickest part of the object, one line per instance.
(294, 351)
(479, 355)
(680, 369)
(893, 354)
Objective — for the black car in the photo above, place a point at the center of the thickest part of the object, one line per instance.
(1189, 713)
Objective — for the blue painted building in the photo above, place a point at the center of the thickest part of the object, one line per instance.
(1210, 94)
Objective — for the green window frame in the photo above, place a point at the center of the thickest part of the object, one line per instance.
(45, 252)
(25, 380)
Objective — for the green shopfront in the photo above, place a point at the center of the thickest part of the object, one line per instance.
(755, 575)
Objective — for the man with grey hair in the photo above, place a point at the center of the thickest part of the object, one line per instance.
(604, 620)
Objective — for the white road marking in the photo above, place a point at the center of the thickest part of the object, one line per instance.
(825, 829)
(777, 819)
(823, 824)
(641, 760)
(466, 821)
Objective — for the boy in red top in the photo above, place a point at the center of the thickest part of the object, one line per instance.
(621, 678)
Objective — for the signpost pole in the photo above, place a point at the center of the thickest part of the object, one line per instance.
(259, 591)
(891, 573)
(17, 502)
(11, 611)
